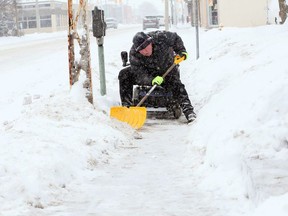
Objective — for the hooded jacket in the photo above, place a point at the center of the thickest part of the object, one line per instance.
(165, 46)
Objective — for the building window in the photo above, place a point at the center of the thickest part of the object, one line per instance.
(32, 22)
(213, 12)
(44, 5)
(28, 22)
(28, 6)
(23, 22)
(45, 21)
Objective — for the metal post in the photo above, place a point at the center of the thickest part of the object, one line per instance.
(172, 12)
(99, 31)
(16, 18)
(100, 42)
(167, 21)
(197, 27)
(37, 16)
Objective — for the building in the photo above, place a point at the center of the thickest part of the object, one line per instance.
(228, 13)
(42, 16)
(245, 13)
(52, 15)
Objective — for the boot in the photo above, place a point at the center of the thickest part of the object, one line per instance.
(190, 116)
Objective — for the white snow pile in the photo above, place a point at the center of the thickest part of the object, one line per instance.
(240, 86)
(53, 144)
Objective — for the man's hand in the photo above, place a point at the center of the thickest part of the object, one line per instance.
(158, 80)
(178, 59)
(183, 54)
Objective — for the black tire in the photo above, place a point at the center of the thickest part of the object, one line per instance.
(177, 112)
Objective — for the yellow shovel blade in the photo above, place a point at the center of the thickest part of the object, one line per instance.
(134, 116)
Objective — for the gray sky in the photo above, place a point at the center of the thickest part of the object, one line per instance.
(159, 4)
(135, 3)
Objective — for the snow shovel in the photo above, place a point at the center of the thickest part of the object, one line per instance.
(136, 116)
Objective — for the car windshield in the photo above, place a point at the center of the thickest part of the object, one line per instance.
(151, 17)
(110, 19)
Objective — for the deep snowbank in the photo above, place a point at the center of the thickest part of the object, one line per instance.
(242, 126)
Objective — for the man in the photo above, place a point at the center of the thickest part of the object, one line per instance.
(150, 56)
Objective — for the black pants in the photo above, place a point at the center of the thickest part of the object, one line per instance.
(172, 82)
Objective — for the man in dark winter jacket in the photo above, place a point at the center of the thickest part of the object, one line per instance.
(150, 56)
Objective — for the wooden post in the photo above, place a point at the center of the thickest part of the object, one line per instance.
(84, 45)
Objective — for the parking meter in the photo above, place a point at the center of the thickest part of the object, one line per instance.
(99, 30)
(98, 24)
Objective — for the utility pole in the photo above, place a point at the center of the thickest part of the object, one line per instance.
(84, 64)
(283, 7)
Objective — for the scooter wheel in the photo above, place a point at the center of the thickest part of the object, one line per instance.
(177, 112)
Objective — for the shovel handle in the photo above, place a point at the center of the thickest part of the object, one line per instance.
(154, 86)
(147, 95)
(168, 71)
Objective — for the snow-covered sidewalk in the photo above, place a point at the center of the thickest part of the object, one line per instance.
(61, 156)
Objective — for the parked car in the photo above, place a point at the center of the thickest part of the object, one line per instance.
(150, 22)
(111, 23)
(161, 20)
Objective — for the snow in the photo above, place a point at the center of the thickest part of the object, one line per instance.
(60, 155)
